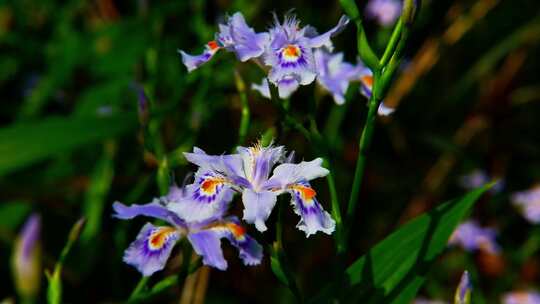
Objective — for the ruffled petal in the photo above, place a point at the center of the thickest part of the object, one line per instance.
(257, 207)
(250, 251)
(153, 209)
(238, 37)
(312, 216)
(229, 165)
(324, 39)
(288, 174)
(208, 197)
(194, 61)
(151, 249)
(207, 244)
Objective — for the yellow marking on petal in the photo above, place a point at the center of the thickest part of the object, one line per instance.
(159, 237)
(209, 186)
(307, 193)
(213, 45)
(367, 81)
(291, 52)
(238, 231)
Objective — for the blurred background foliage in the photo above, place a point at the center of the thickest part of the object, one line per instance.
(72, 140)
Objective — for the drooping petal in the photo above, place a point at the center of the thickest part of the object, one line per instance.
(208, 197)
(250, 251)
(288, 174)
(153, 209)
(207, 244)
(333, 74)
(151, 249)
(312, 216)
(262, 88)
(194, 61)
(257, 207)
(324, 39)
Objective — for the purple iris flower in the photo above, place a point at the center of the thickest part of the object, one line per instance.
(385, 12)
(235, 36)
(248, 172)
(471, 237)
(203, 225)
(528, 203)
(334, 74)
(521, 297)
(290, 53)
(27, 258)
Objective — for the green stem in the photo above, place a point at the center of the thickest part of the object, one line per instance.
(392, 44)
(244, 121)
(364, 143)
(138, 289)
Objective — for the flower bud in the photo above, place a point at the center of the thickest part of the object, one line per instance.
(464, 289)
(26, 258)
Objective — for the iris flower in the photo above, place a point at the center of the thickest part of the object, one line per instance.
(290, 53)
(528, 203)
(204, 227)
(471, 237)
(521, 297)
(234, 36)
(249, 173)
(385, 12)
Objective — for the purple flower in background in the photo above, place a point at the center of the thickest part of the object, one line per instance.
(235, 36)
(471, 237)
(464, 289)
(528, 202)
(385, 12)
(26, 259)
(334, 74)
(204, 228)
(478, 178)
(521, 297)
(290, 53)
(426, 301)
(248, 172)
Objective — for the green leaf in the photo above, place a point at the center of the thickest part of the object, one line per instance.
(27, 143)
(394, 270)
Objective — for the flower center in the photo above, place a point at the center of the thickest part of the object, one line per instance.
(291, 52)
(210, 185)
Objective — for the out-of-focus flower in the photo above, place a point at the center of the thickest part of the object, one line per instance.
(26, 259)
(334, 74)
(204, 230)
(471, 237)
(235, 36)
(248, 172)
(385, 12)
(521, 297)
(528, 202)
(426, 301)
(477, 178)
(464, 289)
(290, 53)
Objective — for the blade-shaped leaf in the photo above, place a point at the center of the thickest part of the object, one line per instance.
(394, 270)
(27, 143)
